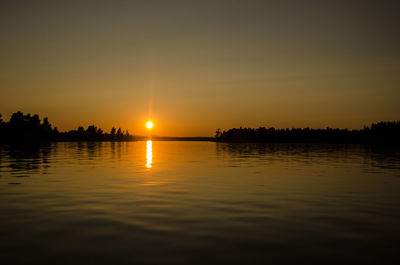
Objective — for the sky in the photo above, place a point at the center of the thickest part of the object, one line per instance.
(195, 66)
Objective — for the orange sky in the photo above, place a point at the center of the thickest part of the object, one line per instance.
(194, 67)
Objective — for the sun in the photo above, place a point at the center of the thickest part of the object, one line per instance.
(149, 125)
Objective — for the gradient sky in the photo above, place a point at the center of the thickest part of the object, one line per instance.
(194, 66)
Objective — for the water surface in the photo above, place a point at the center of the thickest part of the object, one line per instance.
(198, 203)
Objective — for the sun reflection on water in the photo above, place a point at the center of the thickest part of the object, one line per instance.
(149, 154)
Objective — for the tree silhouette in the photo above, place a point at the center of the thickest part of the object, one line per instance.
(81, 130)
(113, 130)
(218, 133)
(27, 128)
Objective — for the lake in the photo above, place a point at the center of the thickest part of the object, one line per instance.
(198, 203)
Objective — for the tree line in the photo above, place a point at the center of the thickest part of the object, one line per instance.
(381, 132)
(29, 128)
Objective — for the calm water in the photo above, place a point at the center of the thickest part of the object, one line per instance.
(198, 203)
